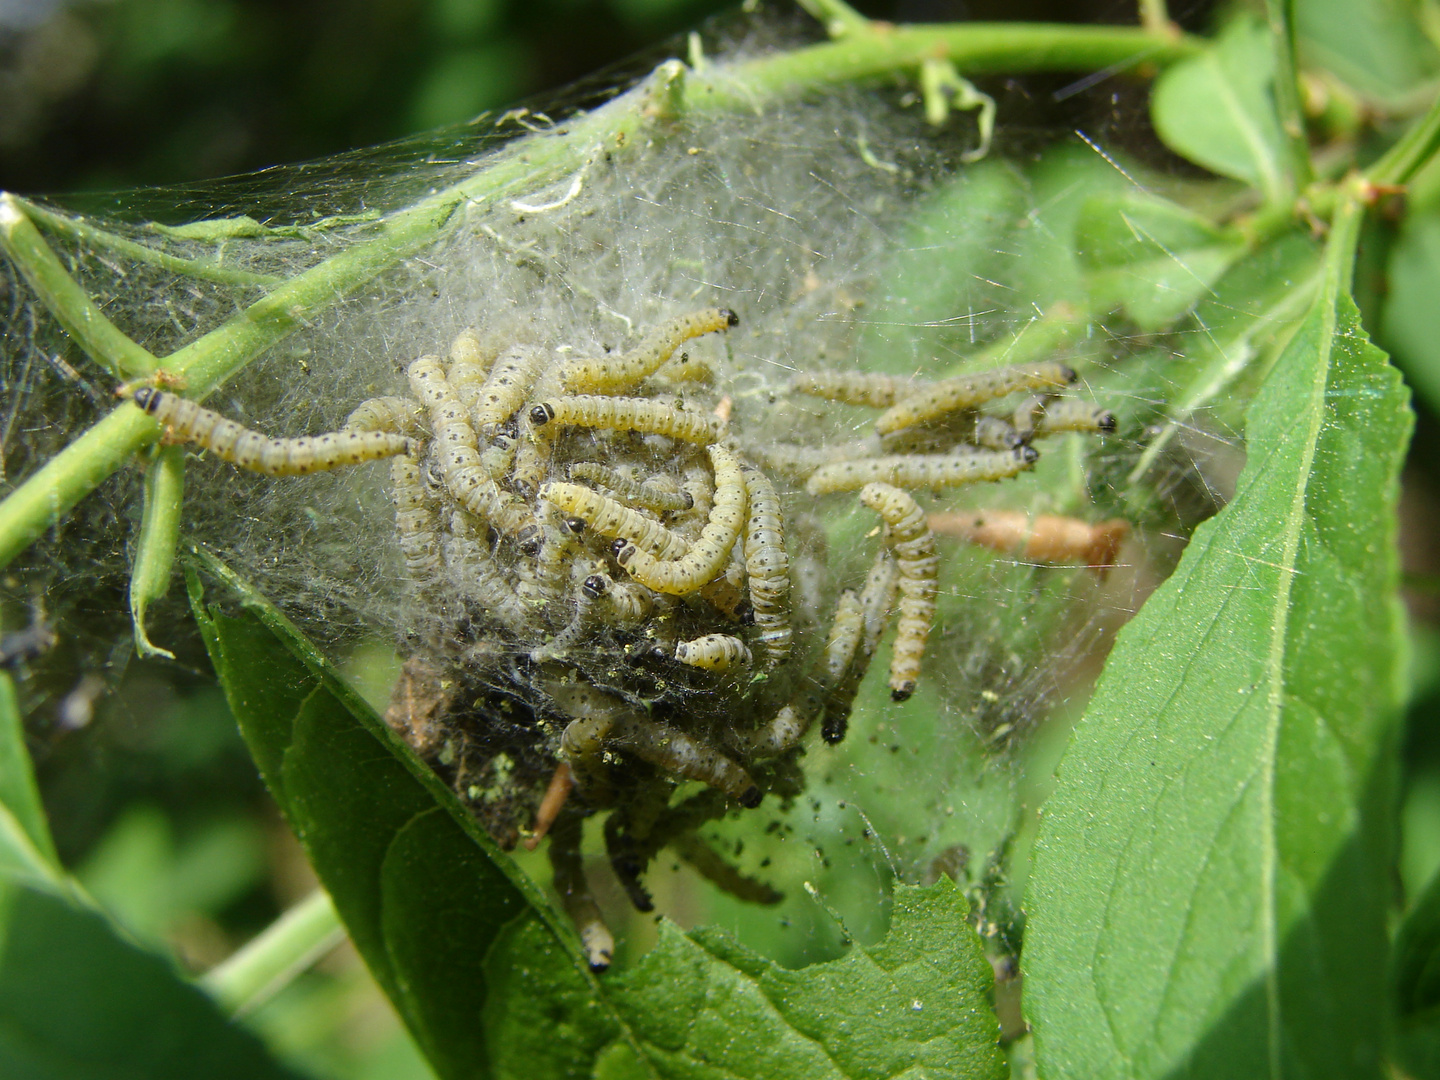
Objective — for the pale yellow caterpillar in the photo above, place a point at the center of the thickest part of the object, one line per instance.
(719, 653)
(875, 599)
(415, 522)
(617, 374)
(847, 629)
(768, 567)
(403, 416)
(484, 582)
(651, 494)
(505, 388)
(855, 387)
(614, 519)
(798, 462)
(967, 391)
(932, 471)
(708, 555)
(913, 545)
(188, 422)
(629, 414)
(469, 366)
(1055, 415)
(459, 461)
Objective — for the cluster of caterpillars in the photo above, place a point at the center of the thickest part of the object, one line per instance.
(604, 605)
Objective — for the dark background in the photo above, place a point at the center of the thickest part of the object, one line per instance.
(104, 94)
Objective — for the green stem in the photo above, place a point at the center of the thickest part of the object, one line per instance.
(276, 956)
(62, 294)
(1408, 156)
(1155, 18)
(80, 229)
(1287, 88)
(53, 490)
(159, 534)
(838, 17)
(522, 168)
(974, 49)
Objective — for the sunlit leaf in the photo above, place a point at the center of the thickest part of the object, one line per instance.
(917, 1003)
(426, 896)
(1212, 878)
(1218, 109)
(1150, 257)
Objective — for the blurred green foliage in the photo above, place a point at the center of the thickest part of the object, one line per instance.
(116, 94)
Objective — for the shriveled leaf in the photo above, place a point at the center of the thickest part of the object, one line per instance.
(1212, 877)
(916, 1004)
(428, 899)
(1218, 110)
(77, 1002)
(1150, 257)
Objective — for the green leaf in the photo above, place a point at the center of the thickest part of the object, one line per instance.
(427, 897)
(1237, 330)
(1410, 320)
(941, 282)
(1218, 110)
(1378, 47)
(916, 1004)
(77, 1002)
(1417, 983)
(24, 832)
(1150, 257)
(1213, 874)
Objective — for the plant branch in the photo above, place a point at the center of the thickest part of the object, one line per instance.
(270, 961)
(1287, 88)
(80, 229)
(62, 294)
(517, 170)
(1415, 148)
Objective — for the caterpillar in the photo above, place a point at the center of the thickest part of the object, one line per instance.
(469, 366)
(414, 522)
(913, 545)
(719, 653)
(855, 387)
(504, 389)
(403, 416)
(932, 471)
(847, 634)
(1049, 416)
(651, 494)
(768, 567)
(610, 518)
(875, 599)
(629, 414)
(459, 461)
(617, 374)
(707, 556)
(229, 441)
(967, 391)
